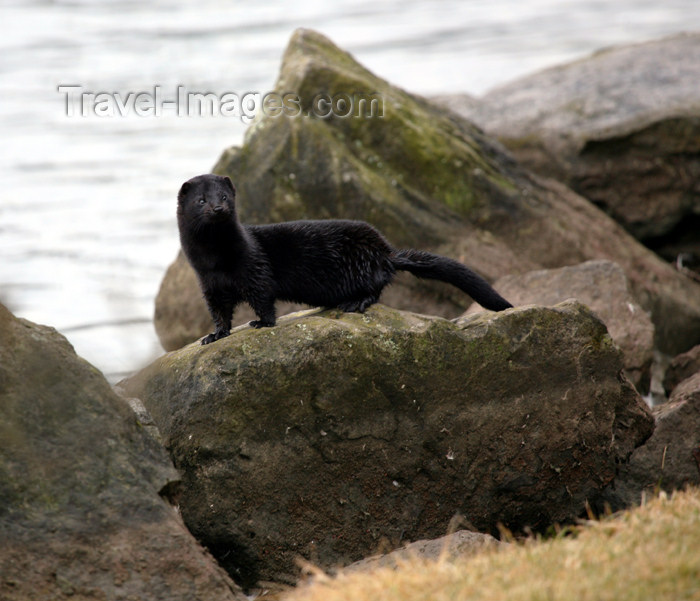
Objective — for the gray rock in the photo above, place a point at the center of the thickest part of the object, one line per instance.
(602, 286)
(621, 127)
(670, 459)
(682, 367)
(331, 432)
(81, 515)
(451, 546)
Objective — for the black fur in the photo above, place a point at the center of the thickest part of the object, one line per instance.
(332, 263)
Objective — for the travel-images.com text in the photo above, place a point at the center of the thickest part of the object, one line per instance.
(79, 102)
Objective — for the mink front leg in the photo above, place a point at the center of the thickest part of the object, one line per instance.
(222, 313)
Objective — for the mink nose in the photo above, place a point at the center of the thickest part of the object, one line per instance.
(218, 208)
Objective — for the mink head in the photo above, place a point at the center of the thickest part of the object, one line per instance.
(206, 199)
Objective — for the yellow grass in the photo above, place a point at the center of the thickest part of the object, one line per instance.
(648, 554)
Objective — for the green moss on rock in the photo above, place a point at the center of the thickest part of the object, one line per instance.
(406, 148)
(331, 431)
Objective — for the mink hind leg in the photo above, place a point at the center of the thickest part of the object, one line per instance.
(265, 310)
(358, 306)
(369, 294)
(363, 299)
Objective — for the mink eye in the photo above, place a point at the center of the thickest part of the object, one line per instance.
(223, 197)
(202, 201)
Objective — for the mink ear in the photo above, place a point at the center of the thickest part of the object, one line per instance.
(230, 183)
(183, 190)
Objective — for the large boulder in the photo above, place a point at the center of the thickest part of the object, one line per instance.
(603, 287)
(620, 127)
(670, 459)
(81, 516)
(428, 179)
(333, 434)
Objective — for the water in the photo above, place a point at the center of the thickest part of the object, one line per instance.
(87, 204)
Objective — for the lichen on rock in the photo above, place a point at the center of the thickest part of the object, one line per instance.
(333, 434)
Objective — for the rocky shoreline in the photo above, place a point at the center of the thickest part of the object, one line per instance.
(333, 436)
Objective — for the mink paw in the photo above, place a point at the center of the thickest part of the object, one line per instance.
(259, 323)
(209, 338)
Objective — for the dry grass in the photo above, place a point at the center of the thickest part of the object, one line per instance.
(650, 553)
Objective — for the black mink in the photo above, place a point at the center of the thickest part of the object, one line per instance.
(328, 263)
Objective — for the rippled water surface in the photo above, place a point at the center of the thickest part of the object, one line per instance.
(87, 204)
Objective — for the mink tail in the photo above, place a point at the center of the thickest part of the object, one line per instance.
(434, 267)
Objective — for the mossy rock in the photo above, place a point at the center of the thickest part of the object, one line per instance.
(333, 434)
(427, 179)
(603, 287)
